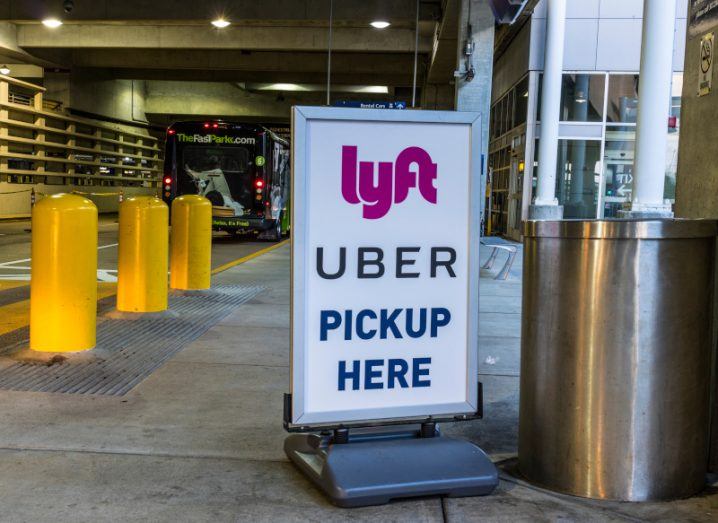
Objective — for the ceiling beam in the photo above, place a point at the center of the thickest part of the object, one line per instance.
(271, 61)
(11, 51)
(442, 62)
(364, 78)
(99, 36)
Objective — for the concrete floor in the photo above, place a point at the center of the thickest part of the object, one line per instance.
(201, 438)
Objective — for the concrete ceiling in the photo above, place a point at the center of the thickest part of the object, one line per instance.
(268, 41)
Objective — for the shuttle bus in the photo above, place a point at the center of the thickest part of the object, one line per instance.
(243, 169)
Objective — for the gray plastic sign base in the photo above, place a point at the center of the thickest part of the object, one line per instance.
(373, 469)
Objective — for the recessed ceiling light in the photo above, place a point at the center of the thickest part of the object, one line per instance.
(380, 24)
(286, 87)
(220, 23)
(4, 69)
(51, 23)
(376, 89)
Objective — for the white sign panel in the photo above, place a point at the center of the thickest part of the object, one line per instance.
(384, 265)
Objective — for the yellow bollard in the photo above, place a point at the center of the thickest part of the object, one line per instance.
(191, 244)
(142, 258)
(63, 282)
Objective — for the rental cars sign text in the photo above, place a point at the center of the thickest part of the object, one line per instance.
(385, 265)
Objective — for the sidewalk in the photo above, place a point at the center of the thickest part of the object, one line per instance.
(201, 438)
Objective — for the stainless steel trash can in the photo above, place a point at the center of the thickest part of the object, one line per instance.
(615, 357)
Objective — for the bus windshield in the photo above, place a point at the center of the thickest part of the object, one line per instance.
(222, 174)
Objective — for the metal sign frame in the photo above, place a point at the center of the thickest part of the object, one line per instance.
(295, 419)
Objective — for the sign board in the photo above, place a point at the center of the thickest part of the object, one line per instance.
(619, 180)
(385, 266)
(370, 105)
(705, 74)
(702, 17)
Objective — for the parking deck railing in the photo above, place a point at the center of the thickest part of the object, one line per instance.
(39, 145)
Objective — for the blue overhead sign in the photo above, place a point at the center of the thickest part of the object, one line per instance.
(369, 105)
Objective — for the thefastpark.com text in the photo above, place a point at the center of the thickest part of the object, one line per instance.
(215, 139)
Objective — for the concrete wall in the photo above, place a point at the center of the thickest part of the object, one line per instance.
(475, 95)
(57, 87)
(121, 99)
(513, 64)
(134, 100)
(697, 180)
(15, 197)
(91, 93)
(603, 35)
(438, 97)
(217, 99)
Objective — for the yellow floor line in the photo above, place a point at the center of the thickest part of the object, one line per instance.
(11, 284)
(14, 316)
(17, 315)
(260, 252)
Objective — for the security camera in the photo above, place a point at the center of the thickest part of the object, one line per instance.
(68, 5)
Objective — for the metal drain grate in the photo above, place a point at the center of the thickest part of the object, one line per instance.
(131, 349)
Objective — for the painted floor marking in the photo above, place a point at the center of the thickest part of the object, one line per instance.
(17, 315)
(104, 275)
(5, 285)
(256, 254)
(108, 275)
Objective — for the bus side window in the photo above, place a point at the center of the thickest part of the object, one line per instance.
(276, 175)
(284, 173)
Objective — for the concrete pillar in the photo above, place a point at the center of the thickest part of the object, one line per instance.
(473, 91)
(531, 129)
(697, 180)
(545, 204)
(654, 93)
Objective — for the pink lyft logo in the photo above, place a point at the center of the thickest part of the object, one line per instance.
(393, 178)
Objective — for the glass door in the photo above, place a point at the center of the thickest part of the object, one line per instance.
(618, 159)
(578, 177)
(516, 188)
